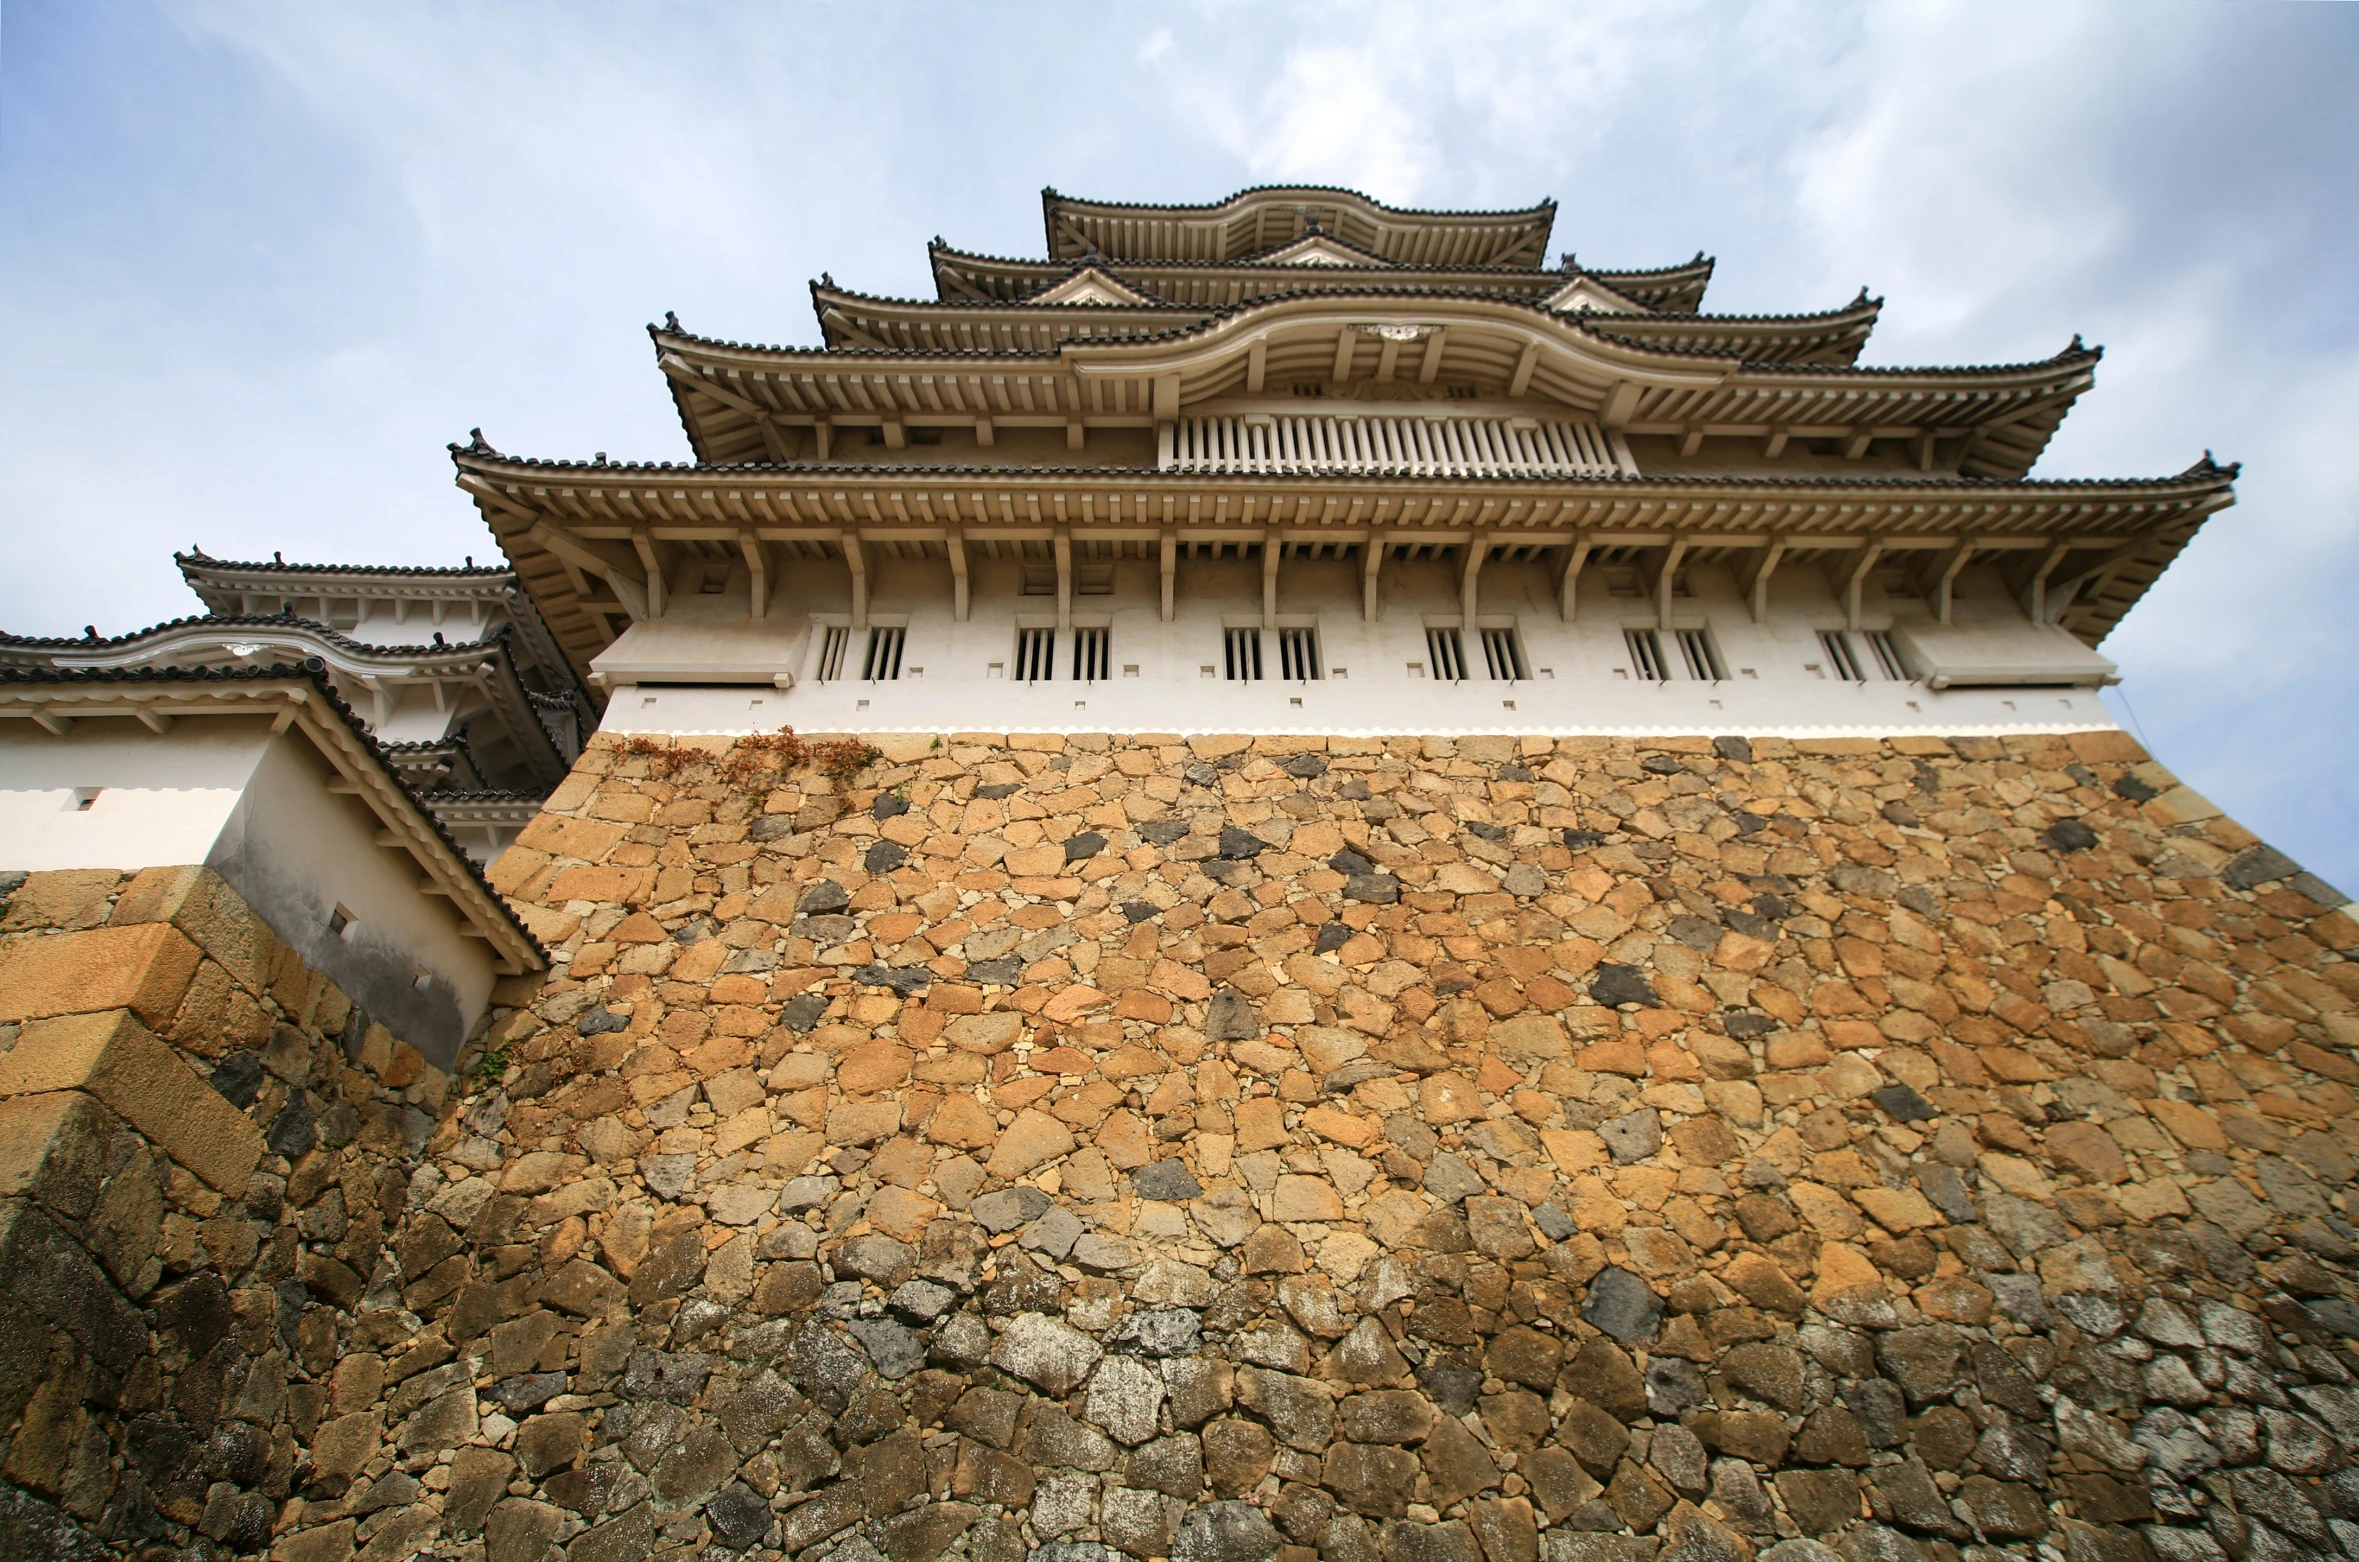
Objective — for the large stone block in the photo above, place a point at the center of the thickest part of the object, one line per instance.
(144, 968)
(119, 1061)
(212, 915)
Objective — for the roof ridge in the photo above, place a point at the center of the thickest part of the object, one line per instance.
(1050, 193)
(496, 640)
(203, 560)
(1543, 275)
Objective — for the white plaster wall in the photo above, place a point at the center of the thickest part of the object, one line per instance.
(162, 798)
(296, 852)
(1582, 681)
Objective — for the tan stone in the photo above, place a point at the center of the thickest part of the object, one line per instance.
(119, 1061)
(879, 1065)
(144, 968)
(1032, 1141)
(963, 1123)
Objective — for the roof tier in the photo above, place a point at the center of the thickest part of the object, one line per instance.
(1253, 221)
(963, 275)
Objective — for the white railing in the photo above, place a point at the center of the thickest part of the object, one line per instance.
(1413, 445)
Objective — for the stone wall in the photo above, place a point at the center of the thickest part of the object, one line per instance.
(1083, 1148)
(203, 1147)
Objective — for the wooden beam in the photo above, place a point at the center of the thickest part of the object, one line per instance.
(757, 575)
(1433, 355)
(1776, 446)
(154, 720)
(652, 563)
(1521, 380)
(1073, 433)
(1272, 550)
(1666, 579)
(55, 725)
(1371, 572)
(1756, 577)
(823, 431)
(1855, 581)
(1939, 581)
(2031, 589)
(1568, 587)
(1693, 440)
(1347, 342)
(857, 562)
(1470, 572)
(1620, 403)
(1167, 550)
(1063, 544)
(1857, 445)
(1257, 359)
(955, 540)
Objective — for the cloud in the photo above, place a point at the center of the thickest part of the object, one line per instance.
(1157, 45)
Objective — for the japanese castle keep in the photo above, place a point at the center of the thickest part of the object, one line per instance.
(1422, 906)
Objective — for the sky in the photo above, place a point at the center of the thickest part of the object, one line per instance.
(261, 262)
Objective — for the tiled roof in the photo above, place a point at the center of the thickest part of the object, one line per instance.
(496, 641)
(314, 673)
(199, 559)
(1050, 193)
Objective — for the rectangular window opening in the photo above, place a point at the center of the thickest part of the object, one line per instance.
(1093, 580)
(834, 640)
(1040, 580)
(80, 800)
(1298, 655)
(1503, 656)
(1241, 649)
(338, 921)
(1701, 656)
(1842, 656)
(1886, 650)
(1089, 654)
(1646, 655)
(1446, 650)
(1036, 651)
(883, 663)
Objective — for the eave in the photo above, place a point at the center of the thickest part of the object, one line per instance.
(601, 546)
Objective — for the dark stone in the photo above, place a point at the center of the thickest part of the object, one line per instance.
(1376, 1481)
(1304, 767)
(1239, 845)
(1225, 1532)
(1351, 864)
(239, 1078)
(1902, 1103)
(1946, 1191)
(1615, 985)
(1453, 1387)
(2137, 791)
(1622, 1305)
(1738, 749)
(824, 898)
(885, 856)
(1595, 1438)
(999, 789)
(1770, 1373)
(1080, 848)
(1006, 971)
(1482, 831)
(1673, 1385)
(771, 827)
(2281, 1504)
(889, 805)
(599, 1021)
(295, 1130)
(1881, 1410)
(739, 1516)
(1168, 1180)
(1745, 1024)
(1633, 1136)
(2258, 865)
(1332, 936)
(2068, 835)
(1373, 889)
(803, 1012)
(1580, 840)
(1137, 911)
(1639, 1496)
(1230, 1017)
(1661, 765)
(1927, 1363)
(896, 1349)
(903, 979)
(1603, 1373)
(675, 1377)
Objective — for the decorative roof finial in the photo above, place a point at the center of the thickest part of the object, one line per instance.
(277, 557)
(470, 561)
(438, 637)
(478, 445)
(2076, 346)
(671, 322)
(90, 631)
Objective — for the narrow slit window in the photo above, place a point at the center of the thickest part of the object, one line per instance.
(1646, 655)
(833, 642)
(884, 655)
(1446, 650)
(1701, 656)
(1886, 650)
(1298, 655)
(1242, 650)
(1089, 654)
(1842, 656)
(1036, 651)
(1503, 656)
(339, 921)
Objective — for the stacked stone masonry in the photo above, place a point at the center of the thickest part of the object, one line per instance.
(204, 1147)
(1085, 1148)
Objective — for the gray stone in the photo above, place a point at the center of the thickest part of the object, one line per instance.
(1125, 1398)
(922, 1301)
(805, 1193)
(668, 1176)
(2025, 1227)
(1053, 1233)
(1009, 1208)
(739, 1516)
(1451, 1177)
(884, 857)
(2258, 865)
(1634, 1135)
(1230, 1017)
(1104, 1255)
(1373, 889)
(1524, 881)
(876, 1257)
(1164, 1331)
(824, 898)
(2095, 1316)
(803, 1012)
(1225, 1532)
(897, 1350)
(1621, 1304)
(1946, 1191)
(1046, 1352)
(1167, 1180)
